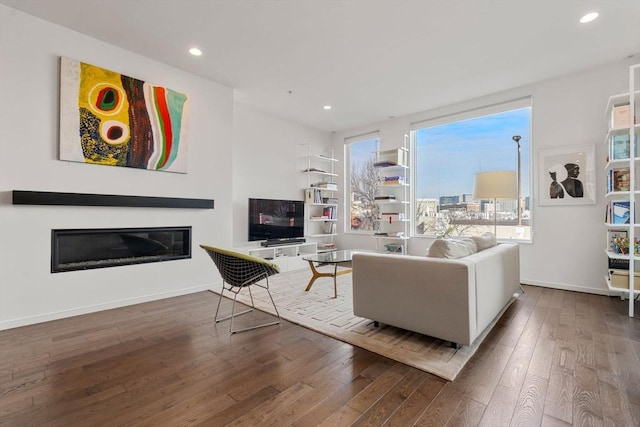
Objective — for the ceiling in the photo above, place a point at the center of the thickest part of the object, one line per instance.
(369, 59)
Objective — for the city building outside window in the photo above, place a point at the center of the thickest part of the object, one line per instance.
(449, 151)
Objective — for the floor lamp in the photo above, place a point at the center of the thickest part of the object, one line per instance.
(495, 185)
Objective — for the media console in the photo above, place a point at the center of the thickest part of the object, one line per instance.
(287, 256)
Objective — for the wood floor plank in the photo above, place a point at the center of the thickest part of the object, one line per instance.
(378, 387)
(555, 358)
(382, 409)
(468, 414)
(587, 407)
(335, 400)
(530, 406)
(500, 408)
(416, 403)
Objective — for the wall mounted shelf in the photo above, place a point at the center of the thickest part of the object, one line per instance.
(85, 199)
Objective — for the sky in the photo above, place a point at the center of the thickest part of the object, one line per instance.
(450, 155)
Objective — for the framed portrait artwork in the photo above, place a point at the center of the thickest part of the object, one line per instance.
(567, 176)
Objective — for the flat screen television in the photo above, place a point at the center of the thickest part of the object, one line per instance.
(275, 219)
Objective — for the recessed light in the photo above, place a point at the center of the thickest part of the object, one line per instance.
(589, 17)
(195, 51)
(327, 107)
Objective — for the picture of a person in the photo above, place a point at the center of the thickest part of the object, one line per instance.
(572, 185)
(556, 190)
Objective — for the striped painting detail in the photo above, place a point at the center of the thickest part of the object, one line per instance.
(112, 119)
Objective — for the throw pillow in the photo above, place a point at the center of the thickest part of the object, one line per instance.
(485, 241)
(452, 248)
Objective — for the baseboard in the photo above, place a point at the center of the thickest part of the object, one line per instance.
(572, 288)
(25, 321)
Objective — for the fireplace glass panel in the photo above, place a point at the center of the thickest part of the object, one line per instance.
(82, 249)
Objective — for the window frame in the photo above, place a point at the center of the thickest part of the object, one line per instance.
(469, 114)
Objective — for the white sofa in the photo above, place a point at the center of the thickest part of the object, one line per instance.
(450, 299)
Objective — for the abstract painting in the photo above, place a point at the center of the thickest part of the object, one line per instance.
(107, 118)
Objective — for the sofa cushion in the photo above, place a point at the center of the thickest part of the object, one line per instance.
(452, 248)
(485, 241)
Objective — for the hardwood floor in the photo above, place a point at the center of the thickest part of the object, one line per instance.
(555, 358)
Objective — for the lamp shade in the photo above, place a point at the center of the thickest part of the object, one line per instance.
(495, 185)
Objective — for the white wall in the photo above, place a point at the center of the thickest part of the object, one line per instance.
(267, 159)
(567, 251)
(29, 96)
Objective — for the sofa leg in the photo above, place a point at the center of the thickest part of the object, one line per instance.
(376, 324)
(455, 345)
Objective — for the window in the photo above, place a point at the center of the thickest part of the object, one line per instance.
(450, 150)
(362, 182)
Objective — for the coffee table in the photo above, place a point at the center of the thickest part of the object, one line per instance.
(333, 257)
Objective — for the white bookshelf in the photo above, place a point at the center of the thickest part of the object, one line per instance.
(320, 197)
(616, 132)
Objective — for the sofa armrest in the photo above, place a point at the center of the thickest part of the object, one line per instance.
(431, 296)
(497, 279)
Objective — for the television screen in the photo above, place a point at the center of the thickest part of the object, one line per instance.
(275, 219)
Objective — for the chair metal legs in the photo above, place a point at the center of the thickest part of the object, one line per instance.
(236, 290)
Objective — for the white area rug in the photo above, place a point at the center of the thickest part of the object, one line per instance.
(319, 311)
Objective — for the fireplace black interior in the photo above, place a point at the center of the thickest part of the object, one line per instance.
(83, 249)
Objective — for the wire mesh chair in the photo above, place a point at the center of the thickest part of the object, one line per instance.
(240, 271)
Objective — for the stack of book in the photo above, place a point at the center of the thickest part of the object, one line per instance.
(392, 180)
(326, 185)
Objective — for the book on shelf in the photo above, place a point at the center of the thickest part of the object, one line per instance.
(330, 212)
(393, 180)
(621, 179)
(312, 196)
(617, 212)
(621, 212)
(622, 264)
(329, 228)
(621, 147)
(384, 164)
(326, 185)
(620, 115)
(392, 157)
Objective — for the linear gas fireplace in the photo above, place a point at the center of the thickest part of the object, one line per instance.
(83, 249)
